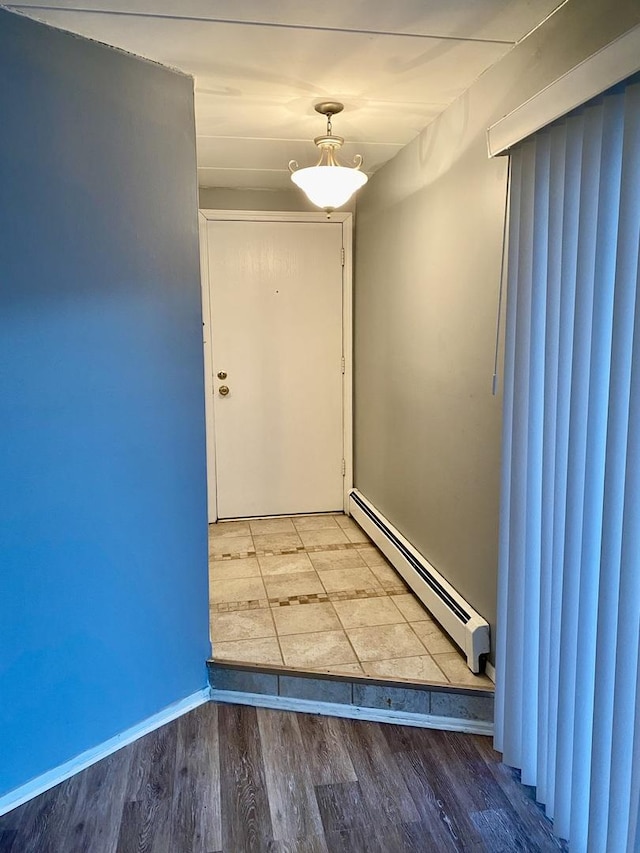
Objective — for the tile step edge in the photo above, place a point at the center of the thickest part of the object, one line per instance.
(351, 695)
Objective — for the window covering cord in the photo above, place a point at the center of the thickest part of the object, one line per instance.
(503, 265)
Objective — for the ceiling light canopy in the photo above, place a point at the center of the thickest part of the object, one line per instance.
(328, 184)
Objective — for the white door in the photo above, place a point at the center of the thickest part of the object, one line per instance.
(276, 322)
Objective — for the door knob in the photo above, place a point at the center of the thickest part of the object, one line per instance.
(222, 375)
(223, 390)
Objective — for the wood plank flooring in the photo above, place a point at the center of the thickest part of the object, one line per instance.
(245, 780)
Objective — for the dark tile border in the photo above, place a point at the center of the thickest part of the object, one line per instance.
(310, 598)
(276, 552)
(354, 691)
(434, 687)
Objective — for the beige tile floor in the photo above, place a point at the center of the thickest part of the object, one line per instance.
(313, 593)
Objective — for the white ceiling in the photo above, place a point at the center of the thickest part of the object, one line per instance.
(261, 65)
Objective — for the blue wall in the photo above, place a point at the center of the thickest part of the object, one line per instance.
(103, 554)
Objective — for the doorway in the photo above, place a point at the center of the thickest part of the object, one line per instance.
(277, 331)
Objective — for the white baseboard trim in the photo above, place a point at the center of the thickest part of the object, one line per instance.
(490, 671)
(353, 712)
(467, 628)
(48, 780)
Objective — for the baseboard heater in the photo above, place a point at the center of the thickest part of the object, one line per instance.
(465, 627)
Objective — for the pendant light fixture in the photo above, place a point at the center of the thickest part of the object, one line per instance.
(328, 184)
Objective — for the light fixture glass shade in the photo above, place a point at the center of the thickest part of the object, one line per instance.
(328, 186)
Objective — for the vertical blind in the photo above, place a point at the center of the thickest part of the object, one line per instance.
(567, 695)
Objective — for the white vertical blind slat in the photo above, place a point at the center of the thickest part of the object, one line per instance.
(532, 593)
(625, 692)
(608, 195)
(502, 726)
(569, 140)
(628, 248)
(578, 403)
(569, 586)
(549, 624)
(516, 600)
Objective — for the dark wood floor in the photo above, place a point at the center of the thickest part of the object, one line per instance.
(236, 779)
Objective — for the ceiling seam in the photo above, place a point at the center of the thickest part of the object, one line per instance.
(243, 169)
(272, 24)
(289, 139)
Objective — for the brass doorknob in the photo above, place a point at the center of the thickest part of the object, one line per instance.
(223, 390)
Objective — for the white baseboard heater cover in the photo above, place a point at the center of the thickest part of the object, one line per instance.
(465, 627)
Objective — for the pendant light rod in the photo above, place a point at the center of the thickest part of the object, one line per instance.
(328, 109)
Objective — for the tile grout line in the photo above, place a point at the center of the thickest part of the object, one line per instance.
(415, 634)
(268, 608)
(277, 636)
(440, 668)
(361, 662)
(358, 658)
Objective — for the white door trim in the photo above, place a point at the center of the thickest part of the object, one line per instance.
(346, 220)
(208, 373)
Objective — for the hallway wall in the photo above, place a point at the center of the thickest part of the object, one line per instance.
(222, 198)
(428, 254)
(103, 578)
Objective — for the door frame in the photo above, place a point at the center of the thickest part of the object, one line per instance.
(346, 220)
